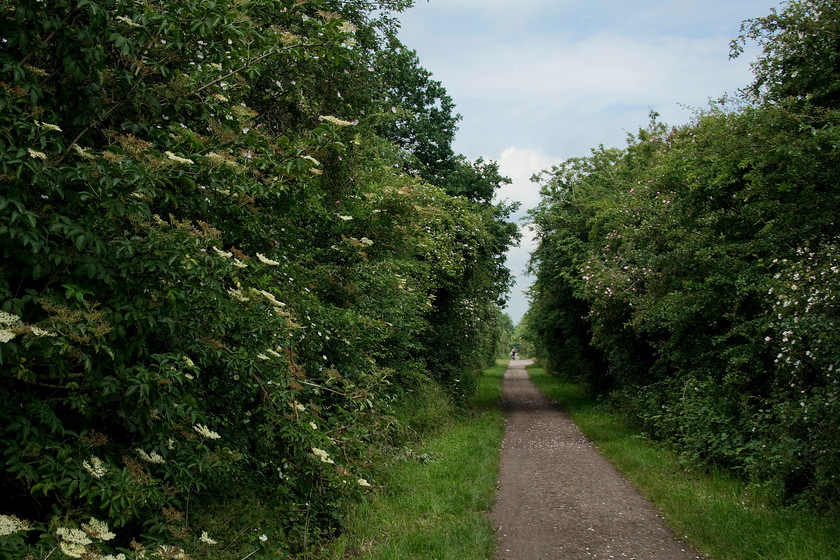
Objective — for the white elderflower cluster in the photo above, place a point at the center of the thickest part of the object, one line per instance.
(322, 455)
(153, 457)
(336, 121)
(98, 530)
(178, 159)
(265, 260)
(8, 324)
(11, 524)
(206, 432)
(95, 467)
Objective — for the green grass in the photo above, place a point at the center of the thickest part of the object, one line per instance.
(722, 516)
(434, 504)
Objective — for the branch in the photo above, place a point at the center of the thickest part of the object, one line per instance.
(232, 72)
(50, 36)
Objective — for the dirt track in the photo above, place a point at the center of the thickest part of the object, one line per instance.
(559, 498)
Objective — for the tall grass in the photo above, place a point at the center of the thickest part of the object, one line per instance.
(720, 515)
(433, 503)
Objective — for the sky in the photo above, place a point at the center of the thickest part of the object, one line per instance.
(540, 81)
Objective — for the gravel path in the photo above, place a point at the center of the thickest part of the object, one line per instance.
(559, 498)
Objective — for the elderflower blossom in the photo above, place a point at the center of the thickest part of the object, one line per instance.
(299, 407)
(48, 127)
(335, 120)
(345, 218)
(312, 159)
(270, 297)
(313, 425)
(72, 541)
(8, 322)
(225, 254)
(366, 242)
(178, 159)
(205, 538)
(96, 467)
(152, 457)
(263, 357)
(323, 455)
(36, 154)
(128, 21)
(98, 530)
(83, 152)
(265, 260)
(206, 432)
(274, 353)
(363, 482)
(239, 264)
(10, 524)
(237, 294)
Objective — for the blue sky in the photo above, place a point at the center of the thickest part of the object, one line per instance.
(538, 81)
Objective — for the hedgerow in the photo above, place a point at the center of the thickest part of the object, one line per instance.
(694, 274)
(216, 278)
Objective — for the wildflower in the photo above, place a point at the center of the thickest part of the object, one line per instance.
(345, 218)
(84, 152)
(128, 21)
(8, 324)
(263, 537)
(313, 425)
(36, 154)
(312, 159)
(48, 127)
(205, 538)
(98, 530)
(299, 407)
(96, 467)
(270, 297)
(323, 455)
(335, 120)
(188, 362)
(206, 432)
(10, 524)
(72, 541)
(265, 260)
(178, 159)
(239, 264)
(263, 357)
(363, 482)
(237, 294)
(225, 254)
(366, 242)
(152, 457)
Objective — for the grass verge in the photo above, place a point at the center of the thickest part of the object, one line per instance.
(722, 516)
(434, 502)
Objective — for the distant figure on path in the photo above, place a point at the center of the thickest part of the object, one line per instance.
(513, 354)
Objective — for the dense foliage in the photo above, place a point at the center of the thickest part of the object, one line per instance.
(695, 274)
(217, 277)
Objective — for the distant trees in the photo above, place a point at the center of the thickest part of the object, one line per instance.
(695, 273)
(217, 276)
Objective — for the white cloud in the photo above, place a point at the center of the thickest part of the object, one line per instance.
(520, 164)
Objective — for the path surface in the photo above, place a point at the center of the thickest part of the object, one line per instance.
(559, 498)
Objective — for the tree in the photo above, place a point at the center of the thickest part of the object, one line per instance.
(801, 53)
